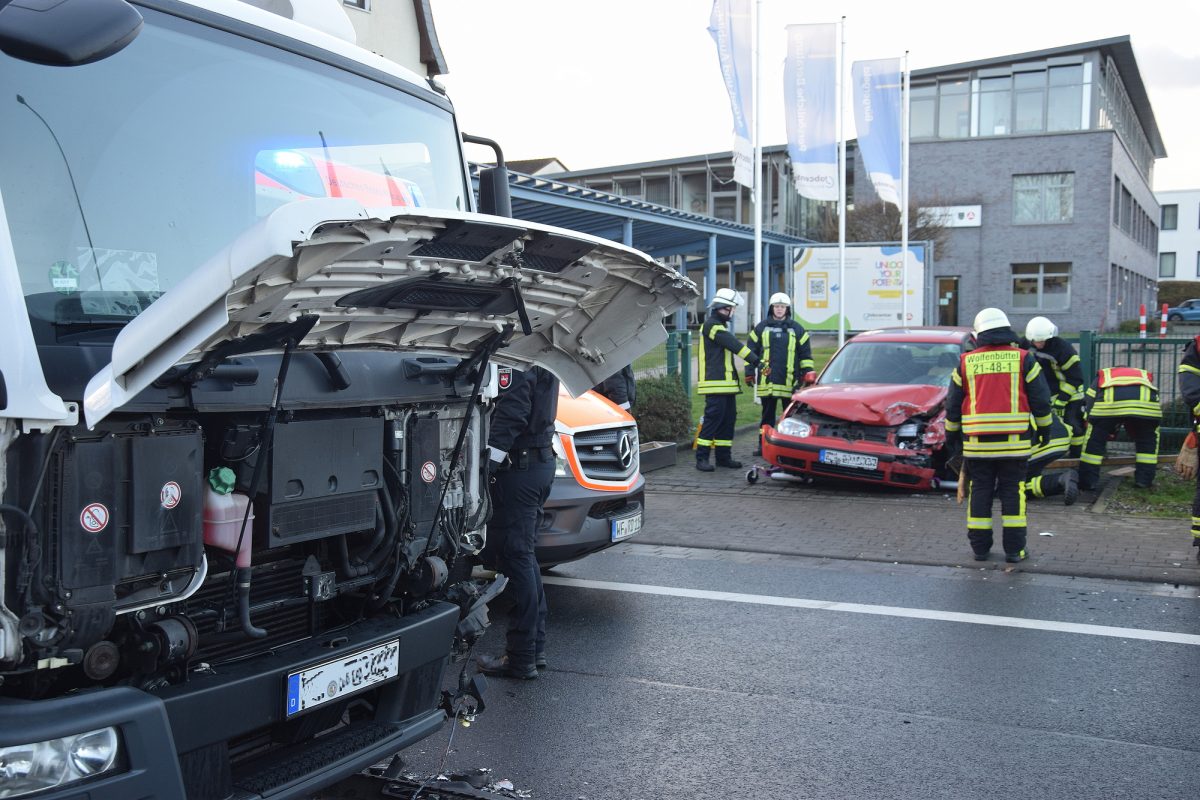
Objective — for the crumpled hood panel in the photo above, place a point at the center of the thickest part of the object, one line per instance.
(873, 403)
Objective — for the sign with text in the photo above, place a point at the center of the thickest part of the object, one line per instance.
(873, 286)
(955, 216)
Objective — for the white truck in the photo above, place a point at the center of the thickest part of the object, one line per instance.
(243, 402)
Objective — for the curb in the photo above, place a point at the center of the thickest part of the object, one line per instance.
(1110, 488)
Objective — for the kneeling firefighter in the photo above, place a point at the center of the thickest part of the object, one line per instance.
(719, 382)
(782, 345)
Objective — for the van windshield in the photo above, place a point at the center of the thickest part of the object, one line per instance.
(120, 177)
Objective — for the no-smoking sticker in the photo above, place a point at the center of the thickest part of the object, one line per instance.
(94, 517)
(170, 494)
(428, 472)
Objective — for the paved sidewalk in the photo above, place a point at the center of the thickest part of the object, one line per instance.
(721, 510)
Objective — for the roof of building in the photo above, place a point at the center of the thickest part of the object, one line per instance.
(723, 159)
(1119, 48)
(532, 166)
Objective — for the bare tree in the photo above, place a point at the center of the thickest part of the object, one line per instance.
(880, 222)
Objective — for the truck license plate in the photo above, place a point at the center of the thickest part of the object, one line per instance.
(343, 676)
(625, 527)
(852, 460)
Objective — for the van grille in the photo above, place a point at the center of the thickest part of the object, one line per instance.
(609, 454)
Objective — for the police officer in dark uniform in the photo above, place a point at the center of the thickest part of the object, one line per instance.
(782, 344)
(521, 462)
(719, 382)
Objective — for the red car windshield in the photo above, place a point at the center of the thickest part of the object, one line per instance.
(919, 363)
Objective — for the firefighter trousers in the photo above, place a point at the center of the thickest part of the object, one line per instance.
(992, 478)
(716, 429)
(770, 411)
(1196, 516)
(1143, 431)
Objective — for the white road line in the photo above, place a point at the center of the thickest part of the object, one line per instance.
(885, 611)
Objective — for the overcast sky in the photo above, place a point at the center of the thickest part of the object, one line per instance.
(596, 83)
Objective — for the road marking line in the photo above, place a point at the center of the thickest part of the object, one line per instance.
(885, 611)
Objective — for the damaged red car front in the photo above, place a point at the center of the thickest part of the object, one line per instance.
(876, 413)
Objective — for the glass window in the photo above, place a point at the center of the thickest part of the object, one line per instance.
(954, 110)
(658, 190)
(365, 5)
(1166, 265)
(629, 188)
(1030, 90)
(1065, 107)
(1116, 201)
(922, 108)
(1170, 217)
(995, 106)
(1045, 198)
(1045, 287)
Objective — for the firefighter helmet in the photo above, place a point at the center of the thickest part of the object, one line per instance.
(989, 319)
(780, 299)
(725, 297)
(1040, 329)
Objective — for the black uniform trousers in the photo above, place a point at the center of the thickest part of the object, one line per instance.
(1144, 433)
(716, 429)
(1039, 485)
(1196, 515)
(770, 410)
(518, 493)
(991, 478)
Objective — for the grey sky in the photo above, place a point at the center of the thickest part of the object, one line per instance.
(599, 83)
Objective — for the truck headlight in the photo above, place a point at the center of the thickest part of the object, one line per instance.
(28, 768)
(794, 427)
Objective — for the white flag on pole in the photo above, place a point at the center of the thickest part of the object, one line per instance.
(877, 118)
(729, 25)
(810, 104)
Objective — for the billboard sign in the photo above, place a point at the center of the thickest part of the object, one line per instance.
(872, 288)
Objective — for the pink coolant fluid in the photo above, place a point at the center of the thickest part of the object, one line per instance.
(224, 511)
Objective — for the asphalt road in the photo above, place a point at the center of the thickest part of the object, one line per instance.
(679, 673)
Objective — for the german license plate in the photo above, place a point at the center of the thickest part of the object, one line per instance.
(625, 527)
(852, 460)
(343, 676)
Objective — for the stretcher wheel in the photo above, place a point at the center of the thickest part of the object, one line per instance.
(752, 475)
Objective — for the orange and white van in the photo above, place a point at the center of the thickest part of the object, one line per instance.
(598, 495)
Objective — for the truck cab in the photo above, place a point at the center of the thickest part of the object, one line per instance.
(252, 317)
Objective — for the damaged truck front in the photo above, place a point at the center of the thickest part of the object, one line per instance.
(243, 406)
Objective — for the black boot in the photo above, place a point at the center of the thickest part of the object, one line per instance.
(725, 459)
(1070, 480)
(702, 462)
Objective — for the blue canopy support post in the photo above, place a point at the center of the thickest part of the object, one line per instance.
(710, 276)
(627, 232)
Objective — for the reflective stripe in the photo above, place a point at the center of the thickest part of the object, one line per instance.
(1035, 486)
(1014, 522)
(1091, 458)
(722, 442)
(1146, 458)
(953, 425)
(979, 523)
(704, 442)
(1189, 368)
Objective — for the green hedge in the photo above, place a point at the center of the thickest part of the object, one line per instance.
(1175, 292)
(663, 410)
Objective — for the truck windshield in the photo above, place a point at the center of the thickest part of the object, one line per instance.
(120, 177)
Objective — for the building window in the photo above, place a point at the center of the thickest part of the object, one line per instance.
(1045, 198)
(362, 5)
(1064, 109)
(995, 106)
(1030, 101)
(922, 110)
(1170, 217)
(954, 109)
(1166, 265)
(1116, 201)
(1043, 287)
(658, 190)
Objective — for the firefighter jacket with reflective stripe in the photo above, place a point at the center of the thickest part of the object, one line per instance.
(785, 353)
(717, 373)
(1189, 381)
(1123, 392)
(995, 392)
(1062, 369)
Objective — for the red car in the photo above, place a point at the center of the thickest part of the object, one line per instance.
(876, 413)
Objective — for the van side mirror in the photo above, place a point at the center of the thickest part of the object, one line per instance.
(494, 195)
(68, 33)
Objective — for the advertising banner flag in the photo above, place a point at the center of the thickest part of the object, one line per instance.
(729, 25)
(810, 105)
(877, 118)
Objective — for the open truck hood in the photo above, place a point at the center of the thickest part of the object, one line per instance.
(873, 403)
(406, 279)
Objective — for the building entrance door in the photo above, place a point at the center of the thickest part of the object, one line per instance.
(947, 301)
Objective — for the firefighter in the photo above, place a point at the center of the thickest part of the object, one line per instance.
(1062, 482)
(1189, 389)
(719, 382)
(782, 345)
(997, 404)
(1064, 374)
(1122, 396)
(521, 471)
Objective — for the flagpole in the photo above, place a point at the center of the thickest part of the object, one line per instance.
(904, 194)
(841, 135)
(756, 106)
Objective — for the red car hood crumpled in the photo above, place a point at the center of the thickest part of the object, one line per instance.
(873, 403)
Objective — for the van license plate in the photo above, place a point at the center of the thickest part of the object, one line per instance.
(343, 676)
(852, 460)
(626, 527)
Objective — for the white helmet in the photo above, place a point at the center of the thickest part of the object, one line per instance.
(1040, 329)
(989, 319)
(780, 299)
(725, 297)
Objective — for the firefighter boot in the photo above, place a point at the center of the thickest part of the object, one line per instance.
(1070, 481)
(702, 462)
(724, 459)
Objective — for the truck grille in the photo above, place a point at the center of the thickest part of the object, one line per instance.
(609, 454)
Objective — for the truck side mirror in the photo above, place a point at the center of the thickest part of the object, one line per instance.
(69, 33)
(494, 195)
(3, 393)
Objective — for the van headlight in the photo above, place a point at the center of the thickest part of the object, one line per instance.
(794, 427)
(561, 470)
(28, 768)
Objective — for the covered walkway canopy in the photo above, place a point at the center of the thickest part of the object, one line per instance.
(700, 242)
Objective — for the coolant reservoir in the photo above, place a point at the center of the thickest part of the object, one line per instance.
(224, 511)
